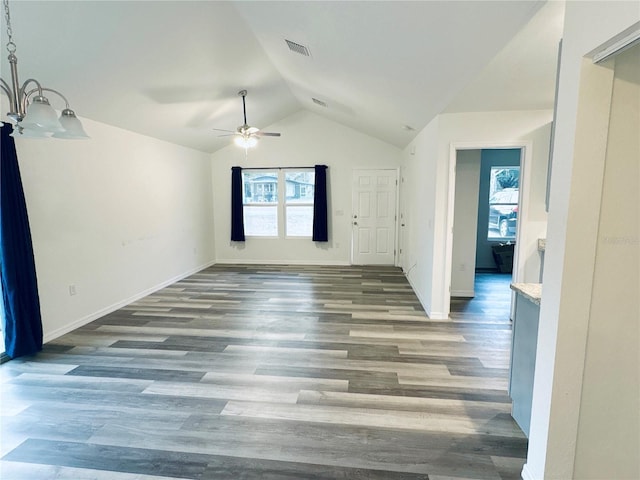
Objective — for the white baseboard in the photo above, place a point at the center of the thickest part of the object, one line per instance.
(123, 303)
(244, 261)
(463, 293)
(526, 473)
(431, 315)
(437, 315)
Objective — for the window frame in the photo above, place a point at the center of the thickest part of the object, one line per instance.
(513, 191)
(281, 203)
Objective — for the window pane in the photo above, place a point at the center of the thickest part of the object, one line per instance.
(504, 186)
(261, 221)
(299, 221)
(299, 186)
(260, 187)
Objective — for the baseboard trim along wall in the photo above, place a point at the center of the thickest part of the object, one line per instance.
(244, 261)
(463, 293)
(112, 308)
(526, 474)
(431, 315)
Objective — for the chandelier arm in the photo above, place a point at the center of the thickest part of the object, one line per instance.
(27, 94)
(23, 91)
(66, 102)
(23, 94)
(7, 89)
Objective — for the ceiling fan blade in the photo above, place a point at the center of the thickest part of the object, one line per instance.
(228, 135)
(222, 130)
(268, 134)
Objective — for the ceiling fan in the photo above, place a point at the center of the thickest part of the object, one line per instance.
(246, 136)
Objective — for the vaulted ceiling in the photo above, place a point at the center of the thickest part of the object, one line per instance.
(172, 69)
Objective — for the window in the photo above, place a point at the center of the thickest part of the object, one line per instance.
(276, 201)
(503, 202)
(299, 203)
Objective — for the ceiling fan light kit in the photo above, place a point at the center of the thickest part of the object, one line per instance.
(246, 142)
(245, 135)
(30, 110)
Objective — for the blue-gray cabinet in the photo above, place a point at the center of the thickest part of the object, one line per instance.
(524, 341)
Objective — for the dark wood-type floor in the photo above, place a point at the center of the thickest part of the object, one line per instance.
(263, 372)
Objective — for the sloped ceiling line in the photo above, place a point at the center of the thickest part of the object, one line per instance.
(172, 69)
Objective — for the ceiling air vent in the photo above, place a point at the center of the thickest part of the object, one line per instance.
(296, 47)
(319, 102)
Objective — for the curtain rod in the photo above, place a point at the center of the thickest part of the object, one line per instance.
(276, 168)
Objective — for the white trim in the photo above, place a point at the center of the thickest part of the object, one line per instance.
(618, 44)
(123, 303)
(244, 261)
(526, 473)
(526, 147)
(463, 293)
(415, 290)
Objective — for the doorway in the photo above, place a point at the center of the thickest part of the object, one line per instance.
(457, 266)
(485, 217)
(373, 222)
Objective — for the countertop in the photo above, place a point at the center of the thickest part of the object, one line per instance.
(531, 291)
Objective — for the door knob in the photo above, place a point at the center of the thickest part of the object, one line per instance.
(355, 223)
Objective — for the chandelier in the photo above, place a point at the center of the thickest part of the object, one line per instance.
(30, 110)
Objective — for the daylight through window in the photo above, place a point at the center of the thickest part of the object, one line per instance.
(504, 185)
(278, 203)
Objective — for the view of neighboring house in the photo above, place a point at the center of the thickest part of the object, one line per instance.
(263, 188)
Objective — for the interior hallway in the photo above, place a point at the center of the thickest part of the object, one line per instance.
(492, 299)
(243, 372)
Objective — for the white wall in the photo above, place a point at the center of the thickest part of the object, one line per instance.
(465, 224)
(307, 139)
(417, 209)
(609, 427)
(570, 258)
(427, 182)
(117, 216)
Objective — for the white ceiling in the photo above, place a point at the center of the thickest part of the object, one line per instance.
(172, 69)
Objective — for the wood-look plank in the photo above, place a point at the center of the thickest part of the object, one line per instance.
(270, 372)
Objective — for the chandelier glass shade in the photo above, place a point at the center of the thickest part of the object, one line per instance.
(246, 141)
(30, 111)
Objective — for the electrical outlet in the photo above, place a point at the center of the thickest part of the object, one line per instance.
(72, 290)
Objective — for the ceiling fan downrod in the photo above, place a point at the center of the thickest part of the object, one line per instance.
(243, 94)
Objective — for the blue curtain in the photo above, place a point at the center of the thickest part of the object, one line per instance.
(237, 218)
(320, 217)
(23, 324)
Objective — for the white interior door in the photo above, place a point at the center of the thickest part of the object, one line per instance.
(374, 217)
